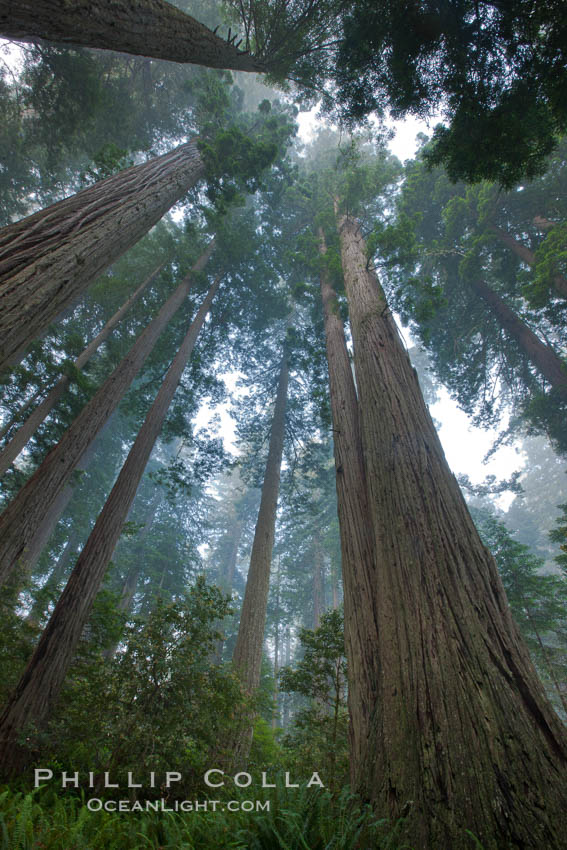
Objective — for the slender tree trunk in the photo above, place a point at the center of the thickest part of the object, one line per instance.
(22, 518)
(546, 361)
(131, 582)
(43, 678)
(285, 706)
(247, 657)
(142, 27)
(26, 431)
(358, 568)
(275, 711)
(462, 735)
(19, 413)
(334, 584)
(528, 257)
(49, 258)
(227, 582)
(230, 568)
(49, 589)
(318, 601)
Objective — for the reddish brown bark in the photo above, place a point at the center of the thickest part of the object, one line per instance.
(43, 678)
(462, 735)
(143, 27)
(544, 358)
(28, 428)
(247, 656)
(48, 259)
(22, 518)
(357, 551)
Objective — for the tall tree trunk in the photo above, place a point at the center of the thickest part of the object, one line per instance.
(546, 361)
(275, 711)
(528, 257)
(318, 601)
(19, 413)
(285, 706)
(247, 657)
(49, 258)
(334, 584)
(26, 431)
(143, 27)
(22, 518)
(131, 582)
(226, 583)
(43, 678)
(49, 589)
(357, 550)
(462, 735)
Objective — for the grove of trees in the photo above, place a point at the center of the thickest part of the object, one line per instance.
(229, 534)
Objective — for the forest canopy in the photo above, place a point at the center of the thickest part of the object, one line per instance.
(233, 357)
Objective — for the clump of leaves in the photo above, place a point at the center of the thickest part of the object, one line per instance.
(161, 704)
(318, 735)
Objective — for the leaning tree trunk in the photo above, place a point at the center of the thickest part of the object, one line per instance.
(357, 551)
(23, 516)
(528, 257)
(49, 258)
(544, 358)
(462, 735)
(143, 27)
(43, 678)
(28, 428)
(247, 655)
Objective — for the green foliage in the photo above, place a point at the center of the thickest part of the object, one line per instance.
(447, 239)
(160, 704)
(497, 72)
(538, 602)
(296, 819)
(559, 535)
(319, 731)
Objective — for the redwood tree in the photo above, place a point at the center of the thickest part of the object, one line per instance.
(22, 518)
(43, 678)
(247, 656)
(461, 735)
(28, 428)
(289, 40)
(49, 258)
(357, 548)
(144, 27)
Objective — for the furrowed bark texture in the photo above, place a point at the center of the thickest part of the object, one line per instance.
(247, 656)
(528, 257)
(357, 551)
(22, 518)
(26, 431)
(142, 27)
(544, 358)
(43, 678)
(49, 258)
(461, 733)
